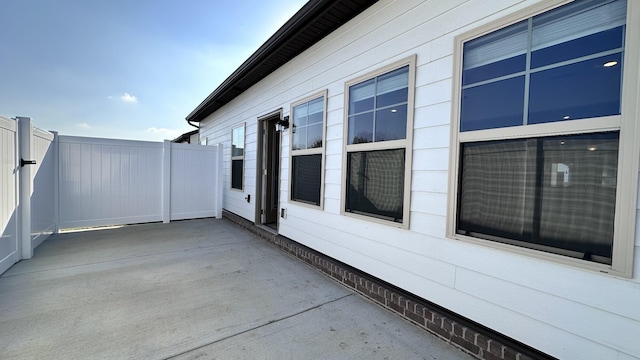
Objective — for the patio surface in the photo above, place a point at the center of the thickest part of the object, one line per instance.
(197, 289)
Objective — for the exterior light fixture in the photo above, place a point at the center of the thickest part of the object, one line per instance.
(282, 124)
(610, 63)
(592, 148)
(394, 110)
(566, 117)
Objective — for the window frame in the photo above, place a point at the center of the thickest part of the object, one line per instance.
(244, 143)
(313, 151)
(406, 143)
(629, 150)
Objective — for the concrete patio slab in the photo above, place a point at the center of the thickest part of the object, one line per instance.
(203, 289)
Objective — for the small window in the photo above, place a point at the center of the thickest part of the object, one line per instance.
(307, 150)
(538, 136)
(378, 144)
(237, 157)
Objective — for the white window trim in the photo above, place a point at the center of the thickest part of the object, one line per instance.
(629, 149)
(321, 150)
(244, 129)
(406, 143)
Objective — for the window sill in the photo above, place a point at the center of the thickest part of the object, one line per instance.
(403, 225)
(545, 256)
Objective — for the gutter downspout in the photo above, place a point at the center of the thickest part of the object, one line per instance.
(195, 126)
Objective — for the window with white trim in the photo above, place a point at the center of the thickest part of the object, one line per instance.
(237, 157)
(307, 150)
(378, 144)
(538, 130)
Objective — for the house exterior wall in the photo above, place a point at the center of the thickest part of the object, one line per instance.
(565, 311)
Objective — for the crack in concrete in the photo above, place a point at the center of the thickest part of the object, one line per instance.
(270, 322)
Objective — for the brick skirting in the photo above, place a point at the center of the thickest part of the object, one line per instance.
(471, 337)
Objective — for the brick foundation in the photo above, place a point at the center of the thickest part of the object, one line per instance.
(471, 337)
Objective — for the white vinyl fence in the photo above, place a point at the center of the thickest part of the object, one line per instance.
(196, 181)
(9, 253)
(43, 186)
(109, 182)
(50, 182)
(113, 182)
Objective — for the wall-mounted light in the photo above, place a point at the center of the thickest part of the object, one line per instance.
(610, 63)
(592, 148)
(282, 124)
(566, 117)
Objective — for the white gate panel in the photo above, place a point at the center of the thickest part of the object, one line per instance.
(193, 181)
(109, 182)
(8, 184)
(43, 209)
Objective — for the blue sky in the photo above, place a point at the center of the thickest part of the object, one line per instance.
(128, 69)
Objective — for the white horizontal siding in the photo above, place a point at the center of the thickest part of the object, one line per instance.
(505, 291)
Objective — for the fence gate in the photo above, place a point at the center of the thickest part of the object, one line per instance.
(8, 195)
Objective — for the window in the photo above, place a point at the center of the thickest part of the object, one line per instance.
(539, 132)
(378, 144)
(237, 157)
(307, 150)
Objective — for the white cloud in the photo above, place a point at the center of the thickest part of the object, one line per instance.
(83, 125)
(164, 133)
(128, 98)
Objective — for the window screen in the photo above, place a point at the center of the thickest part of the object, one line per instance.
(237, 157)
(375, 182)
(555, 194)
(237, 173)
(307, 178)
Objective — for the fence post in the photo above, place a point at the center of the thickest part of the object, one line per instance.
(25, 132)
(56, 182)
(166, 181)
(219, 180)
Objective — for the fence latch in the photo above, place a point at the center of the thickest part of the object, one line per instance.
(24, 162)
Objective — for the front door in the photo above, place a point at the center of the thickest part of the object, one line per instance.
(268, 171)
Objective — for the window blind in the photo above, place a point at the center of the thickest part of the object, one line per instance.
(396, 80)
(572, 21)
(576, 20)
(499, 45)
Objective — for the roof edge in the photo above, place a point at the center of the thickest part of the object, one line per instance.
(284, 31)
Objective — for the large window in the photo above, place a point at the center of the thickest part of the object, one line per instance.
(307, 150)
(237, 157)
(378, 144)
(539, 129)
